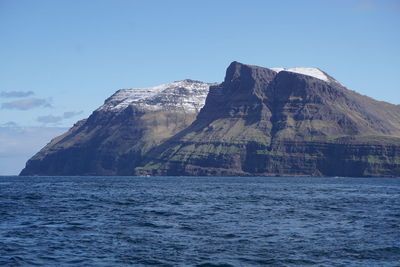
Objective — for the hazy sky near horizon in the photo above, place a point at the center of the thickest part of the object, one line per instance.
(59, 60)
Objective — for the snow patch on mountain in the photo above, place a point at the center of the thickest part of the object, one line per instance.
(313, 72)
(188, 95)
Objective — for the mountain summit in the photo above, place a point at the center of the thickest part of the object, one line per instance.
(258, 121)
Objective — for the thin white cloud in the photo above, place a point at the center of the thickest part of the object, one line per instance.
(9, 124)
(26, 104)
(51, 119)
(70, 114)
(16, 94)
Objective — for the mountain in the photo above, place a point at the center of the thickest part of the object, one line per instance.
(114, 138)
(258, 121)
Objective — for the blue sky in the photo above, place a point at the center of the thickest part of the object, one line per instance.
(59, 60)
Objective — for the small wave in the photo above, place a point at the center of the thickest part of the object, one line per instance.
(187, 228)
(153, 225)
(228, 236)
(375, 254)
(34, 197)
(164, 213)
(20, 261)
(209, 264)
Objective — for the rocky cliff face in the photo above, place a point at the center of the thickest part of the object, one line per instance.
(258, 121)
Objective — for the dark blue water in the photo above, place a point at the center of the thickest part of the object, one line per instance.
(199, 221)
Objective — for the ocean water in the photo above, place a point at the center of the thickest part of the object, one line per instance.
(198, 221)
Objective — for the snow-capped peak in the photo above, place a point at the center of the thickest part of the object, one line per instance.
(313, 72)
(187, 95)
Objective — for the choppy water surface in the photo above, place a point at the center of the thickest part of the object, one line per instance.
(199, 221)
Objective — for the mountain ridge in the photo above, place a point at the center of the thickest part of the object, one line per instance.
(256, 122)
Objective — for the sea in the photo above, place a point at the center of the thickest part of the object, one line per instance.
(199, 221)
